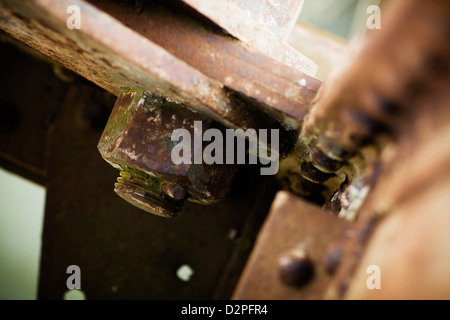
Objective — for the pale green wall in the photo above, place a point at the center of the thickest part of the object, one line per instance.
(21, 220)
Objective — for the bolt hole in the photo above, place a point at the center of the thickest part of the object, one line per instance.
(185, 272)
(74, 294)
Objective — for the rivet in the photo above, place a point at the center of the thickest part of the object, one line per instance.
(295, 268)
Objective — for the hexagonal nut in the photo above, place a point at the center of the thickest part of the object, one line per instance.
(137, 139)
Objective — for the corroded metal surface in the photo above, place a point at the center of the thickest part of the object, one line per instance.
(239, 88)
(411, 247)
(384, 122)
(123, 252)
(97, 51)
(370, 102)
(138, 141)
(280, 91)
(292, 223)
(349, 249)
(230, 16)
(26, 111)
(375, 97)
(389, 116)
(116, 57)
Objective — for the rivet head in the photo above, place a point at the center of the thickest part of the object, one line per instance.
(333, 261)
(295, 268)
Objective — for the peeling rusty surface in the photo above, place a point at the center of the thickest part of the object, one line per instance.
(116, 57)
(411, 192)
(292, 223)
(281, 91)
(389, 115)
(230, 16)
(411, 247)
(138, 140)
(371, 101)
(123, 252)
(26, 111)
(97, 51)
(138, 133)
(350, 247)
(377, 96)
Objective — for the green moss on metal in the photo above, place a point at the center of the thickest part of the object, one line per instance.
(118, 120)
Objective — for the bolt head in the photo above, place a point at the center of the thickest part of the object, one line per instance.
(138, 136)
(295, 268)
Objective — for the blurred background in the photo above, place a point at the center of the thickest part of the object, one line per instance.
(22, 202)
